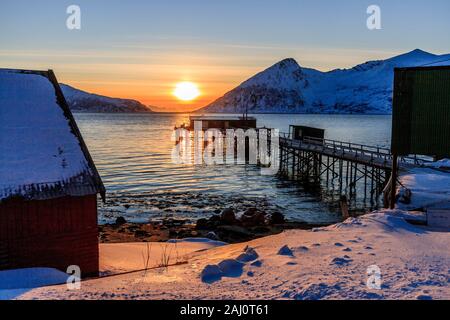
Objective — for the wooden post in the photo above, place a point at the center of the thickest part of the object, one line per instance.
(393, 180)
(344, 207)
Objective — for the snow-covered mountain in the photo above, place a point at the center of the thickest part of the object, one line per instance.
(81, 101)
(288, 88)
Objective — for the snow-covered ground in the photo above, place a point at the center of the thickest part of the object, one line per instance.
(341, 261)
(326, 263)
(13, 283)
(123, 257)
(115, 258)
(430, 188)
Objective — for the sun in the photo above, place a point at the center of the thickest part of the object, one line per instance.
(186, 91)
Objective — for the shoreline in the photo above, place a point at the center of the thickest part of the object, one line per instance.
(213, 228)
(150, 217)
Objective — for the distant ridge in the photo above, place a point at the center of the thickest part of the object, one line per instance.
(81, 101)
(286, 87)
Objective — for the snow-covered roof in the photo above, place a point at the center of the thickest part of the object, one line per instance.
(42, 153)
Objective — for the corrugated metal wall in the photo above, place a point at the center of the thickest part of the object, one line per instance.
(50, 233)
(421, 111)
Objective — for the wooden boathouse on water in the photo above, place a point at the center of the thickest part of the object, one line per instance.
(222, 122)
(48, 180)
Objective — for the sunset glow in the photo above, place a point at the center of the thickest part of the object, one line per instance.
(139, 51)
(186, 91)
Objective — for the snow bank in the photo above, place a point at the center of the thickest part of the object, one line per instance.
(414, 263)
(16, 282)
(430, 188)
(441, 164)
(31, 278)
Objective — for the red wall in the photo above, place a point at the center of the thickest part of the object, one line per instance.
(50, 233)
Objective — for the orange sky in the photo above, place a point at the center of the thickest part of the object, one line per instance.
(150, 75)
(142, 49)
(137, 73)
(152, 82)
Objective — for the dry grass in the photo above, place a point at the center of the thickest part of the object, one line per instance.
(146, 258)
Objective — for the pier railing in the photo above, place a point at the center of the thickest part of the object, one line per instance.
(360, 172)
(350, 150)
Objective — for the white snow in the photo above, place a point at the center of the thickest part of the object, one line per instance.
(36, 142)
(124, 257)
(248, 255)
(287, 87)
(414, 263)
(16, 282)
(211, 273)
(429, 187)
(441, 164)
(333, 262)
(285, 251)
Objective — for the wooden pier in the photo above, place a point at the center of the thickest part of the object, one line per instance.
(335, 169)
(359, 172)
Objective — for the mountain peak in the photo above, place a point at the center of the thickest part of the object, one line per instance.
(286, 87)
(419, 51)
(286, 63)
(82, 101)
(416, 54)
(283, 74)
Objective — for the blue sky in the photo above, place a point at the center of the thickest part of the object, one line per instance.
(148, 46)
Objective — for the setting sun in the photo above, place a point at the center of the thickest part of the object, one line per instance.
(186, 91)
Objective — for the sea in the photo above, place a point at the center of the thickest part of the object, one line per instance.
(133, 153)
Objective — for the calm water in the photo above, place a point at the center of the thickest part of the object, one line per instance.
(133, 155)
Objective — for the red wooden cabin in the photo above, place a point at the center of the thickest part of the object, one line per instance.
(48, 181)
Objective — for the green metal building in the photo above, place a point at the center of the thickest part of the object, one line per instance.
(421, 111)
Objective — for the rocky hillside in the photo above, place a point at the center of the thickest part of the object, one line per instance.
(81, 101)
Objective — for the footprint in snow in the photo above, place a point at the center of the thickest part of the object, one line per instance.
(249, 254)
(256, 263)
(285, 251)
(347, 250)
(338, 244)
(424, 297)
(344, 261)
(226, 268)
(211, 273)
(231, 268)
